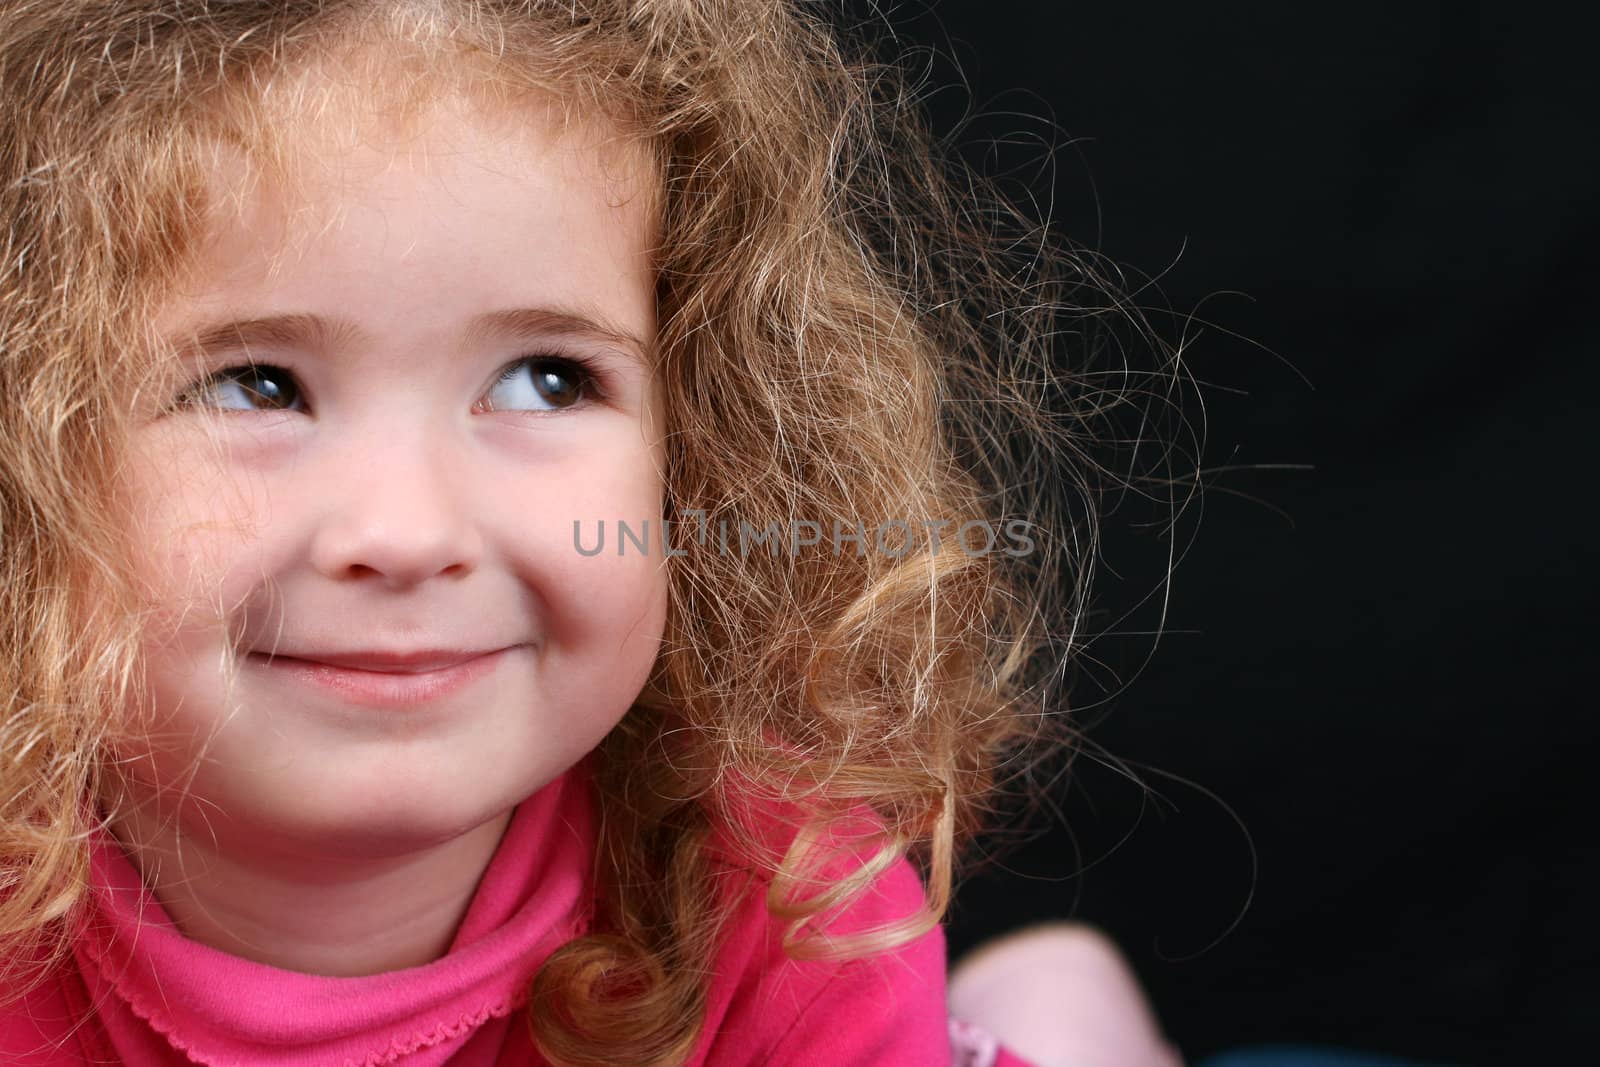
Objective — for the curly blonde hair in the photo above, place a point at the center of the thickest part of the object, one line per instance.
(851, 334)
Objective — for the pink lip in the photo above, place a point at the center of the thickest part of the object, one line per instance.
(388, 681)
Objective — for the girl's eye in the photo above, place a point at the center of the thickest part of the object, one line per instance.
(536, 383)
(541, 383)
(248, 387)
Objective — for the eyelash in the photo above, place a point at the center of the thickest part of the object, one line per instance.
(582, 371)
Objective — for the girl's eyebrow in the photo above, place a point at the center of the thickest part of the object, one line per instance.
(508, 324)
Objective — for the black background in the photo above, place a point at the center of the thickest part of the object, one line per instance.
(1380, 664)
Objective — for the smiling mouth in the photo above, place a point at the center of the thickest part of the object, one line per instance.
(386, 681)
(418, 661)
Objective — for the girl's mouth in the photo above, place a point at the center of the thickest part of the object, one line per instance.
(389, 686)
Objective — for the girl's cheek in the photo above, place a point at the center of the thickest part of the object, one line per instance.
(192, 533)
(601, 589)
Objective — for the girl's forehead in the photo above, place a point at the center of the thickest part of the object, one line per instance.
(288, 164)
(329, 132)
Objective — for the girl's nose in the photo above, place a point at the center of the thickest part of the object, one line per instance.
(396, 511)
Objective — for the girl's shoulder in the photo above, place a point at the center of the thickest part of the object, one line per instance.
(764, 1006)
(46, 1022)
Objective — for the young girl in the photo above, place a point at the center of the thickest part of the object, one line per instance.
(520, 540)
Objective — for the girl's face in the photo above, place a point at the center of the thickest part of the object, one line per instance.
(449, 371)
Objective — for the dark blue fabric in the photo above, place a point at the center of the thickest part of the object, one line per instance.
(1304, 1056)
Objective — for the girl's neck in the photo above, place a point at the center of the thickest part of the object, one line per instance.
(332, 914)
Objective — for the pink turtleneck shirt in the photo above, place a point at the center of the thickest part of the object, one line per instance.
(136, 992)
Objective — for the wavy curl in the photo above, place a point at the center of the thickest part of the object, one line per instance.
(854, 330)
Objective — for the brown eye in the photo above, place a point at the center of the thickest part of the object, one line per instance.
(540, 383)
(248, 387)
